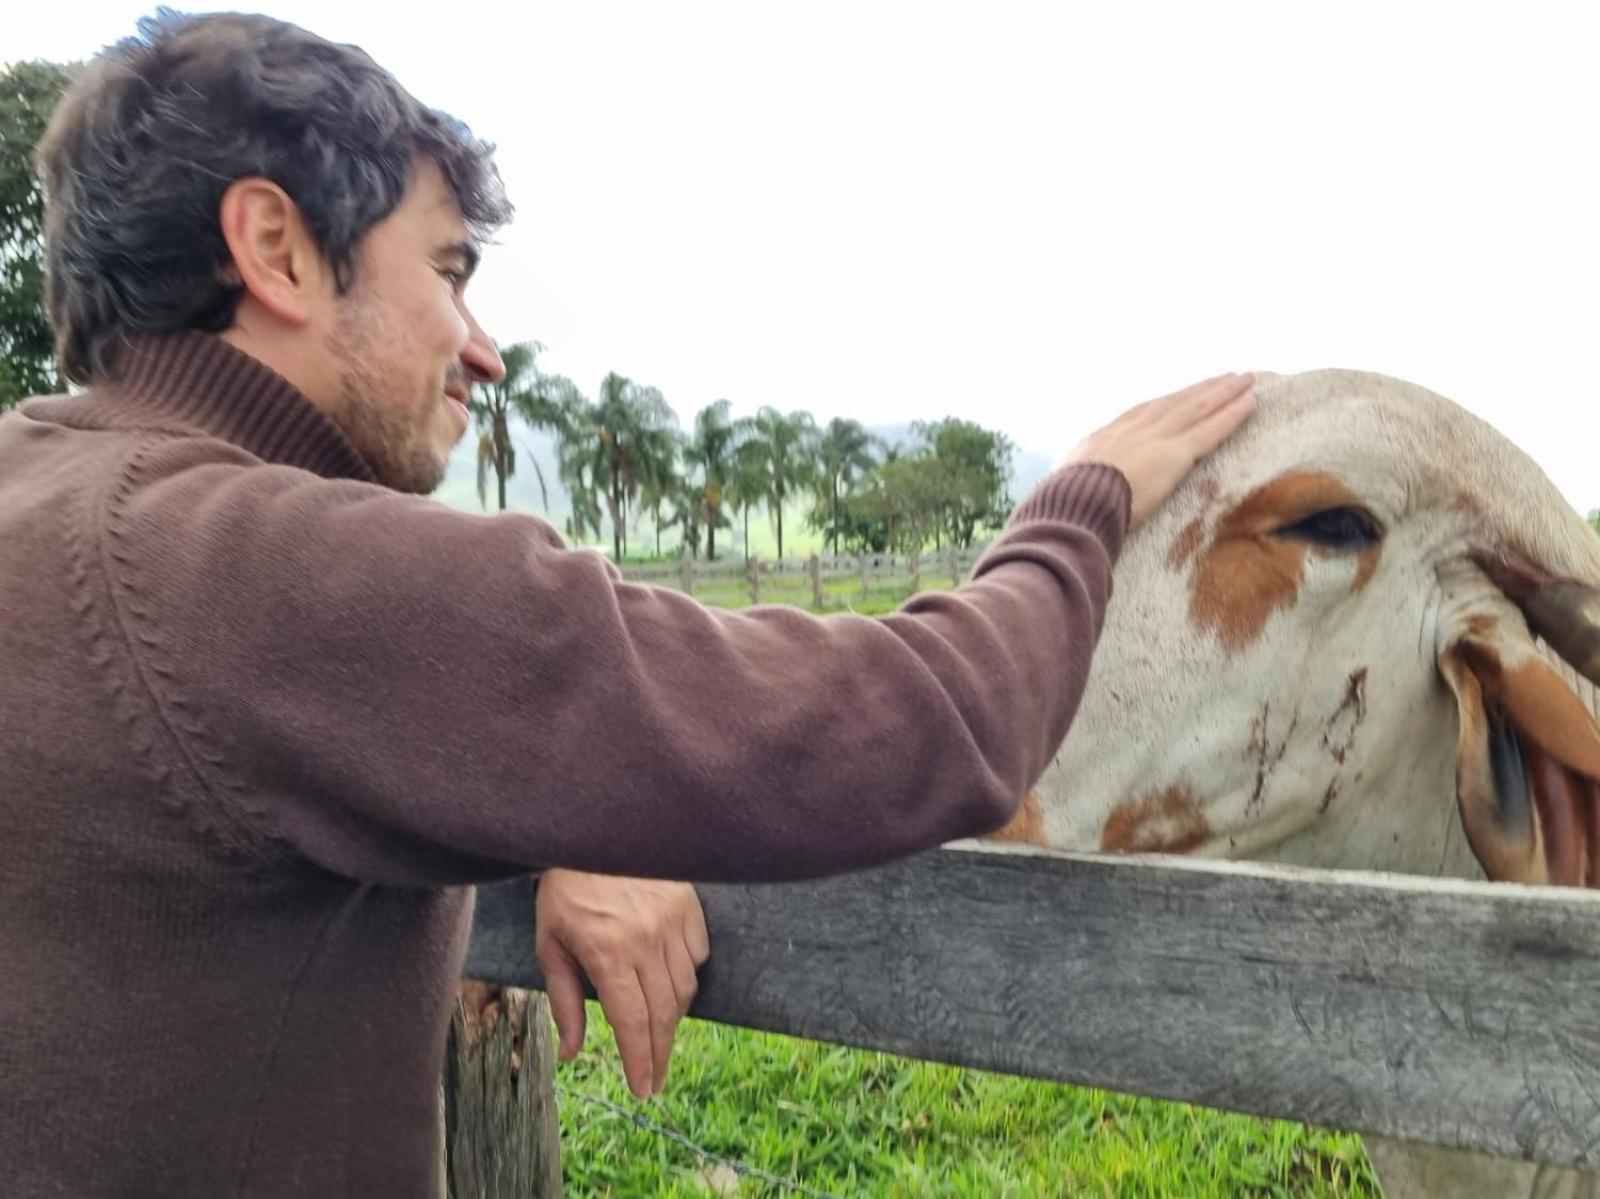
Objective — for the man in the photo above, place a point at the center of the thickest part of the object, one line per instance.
(269, 713)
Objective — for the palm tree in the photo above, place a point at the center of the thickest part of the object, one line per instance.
(527, 394)
(688, 511)
(844, 455)
(611, 448)
(710, 449)
(662, 482)
(746, 484)
(788, 457)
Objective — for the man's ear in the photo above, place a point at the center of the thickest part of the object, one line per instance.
(275, 257)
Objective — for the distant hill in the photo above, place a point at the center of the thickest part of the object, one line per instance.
(460, 488)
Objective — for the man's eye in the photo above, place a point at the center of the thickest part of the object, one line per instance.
(455, 278)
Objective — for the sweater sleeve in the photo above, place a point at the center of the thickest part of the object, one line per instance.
(401, 693)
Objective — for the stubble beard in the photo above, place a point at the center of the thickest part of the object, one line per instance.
(393, 438)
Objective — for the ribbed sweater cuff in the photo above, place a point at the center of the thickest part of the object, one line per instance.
(1092, 496)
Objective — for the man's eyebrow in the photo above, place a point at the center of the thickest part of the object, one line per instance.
(465, 251)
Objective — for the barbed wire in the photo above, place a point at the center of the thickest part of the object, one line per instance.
(672, 1134)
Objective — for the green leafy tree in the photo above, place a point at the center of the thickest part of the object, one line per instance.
(899, 506)
(28, 95)
(844, 456)
(525, 394)
(787, 456)
(975, 463)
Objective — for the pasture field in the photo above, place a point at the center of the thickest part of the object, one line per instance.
(864, 1125)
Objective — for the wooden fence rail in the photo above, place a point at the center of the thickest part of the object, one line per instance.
(1460, 1014)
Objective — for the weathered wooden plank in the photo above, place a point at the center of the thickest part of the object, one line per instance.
(1461, 1014)
(502, 1138)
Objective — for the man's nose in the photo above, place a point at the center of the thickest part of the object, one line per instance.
(479, 357)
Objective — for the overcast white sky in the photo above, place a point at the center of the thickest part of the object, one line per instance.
(1027, 215)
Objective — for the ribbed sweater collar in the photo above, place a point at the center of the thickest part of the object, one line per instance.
(195, 382)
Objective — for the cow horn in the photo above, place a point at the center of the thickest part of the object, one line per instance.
(1565, 612)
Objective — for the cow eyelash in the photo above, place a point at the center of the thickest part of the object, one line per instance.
(1341, 528)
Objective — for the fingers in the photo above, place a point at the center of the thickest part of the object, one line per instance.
(1194, 404)
(639, 942)
(661, 993)
(626, 1006)
(1195, 391)
(1221, 423)
(564, 988)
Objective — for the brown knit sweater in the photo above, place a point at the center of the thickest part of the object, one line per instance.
(263, 722)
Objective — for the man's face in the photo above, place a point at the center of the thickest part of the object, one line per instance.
(404, 346)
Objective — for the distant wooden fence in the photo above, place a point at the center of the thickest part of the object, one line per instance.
(1460, 1014)
(816, 581)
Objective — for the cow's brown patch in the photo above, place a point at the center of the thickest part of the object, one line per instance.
(1166, 821)
(1027, 826)
(1185, 543)
(1366, 567)
(1247, 574)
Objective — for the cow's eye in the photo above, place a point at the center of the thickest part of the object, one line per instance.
(1336, 528)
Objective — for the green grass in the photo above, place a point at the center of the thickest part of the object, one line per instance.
(864, 1125)
(838, 595)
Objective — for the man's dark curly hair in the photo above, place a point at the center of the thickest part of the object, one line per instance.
(153, 131)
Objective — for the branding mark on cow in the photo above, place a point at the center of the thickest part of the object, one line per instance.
(1267, 758)
(1340, 732)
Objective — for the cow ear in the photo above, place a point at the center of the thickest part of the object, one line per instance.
(1565, 612)
(1527, 756)
(1495, 803)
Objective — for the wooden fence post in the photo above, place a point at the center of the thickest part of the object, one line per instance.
(501, 1136)
(686, 574)
(753, 572)
(814, 569)
(955, 567)
(916, 569)
(866, 569)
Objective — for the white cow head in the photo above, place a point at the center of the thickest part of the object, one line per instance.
(1319, 651)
